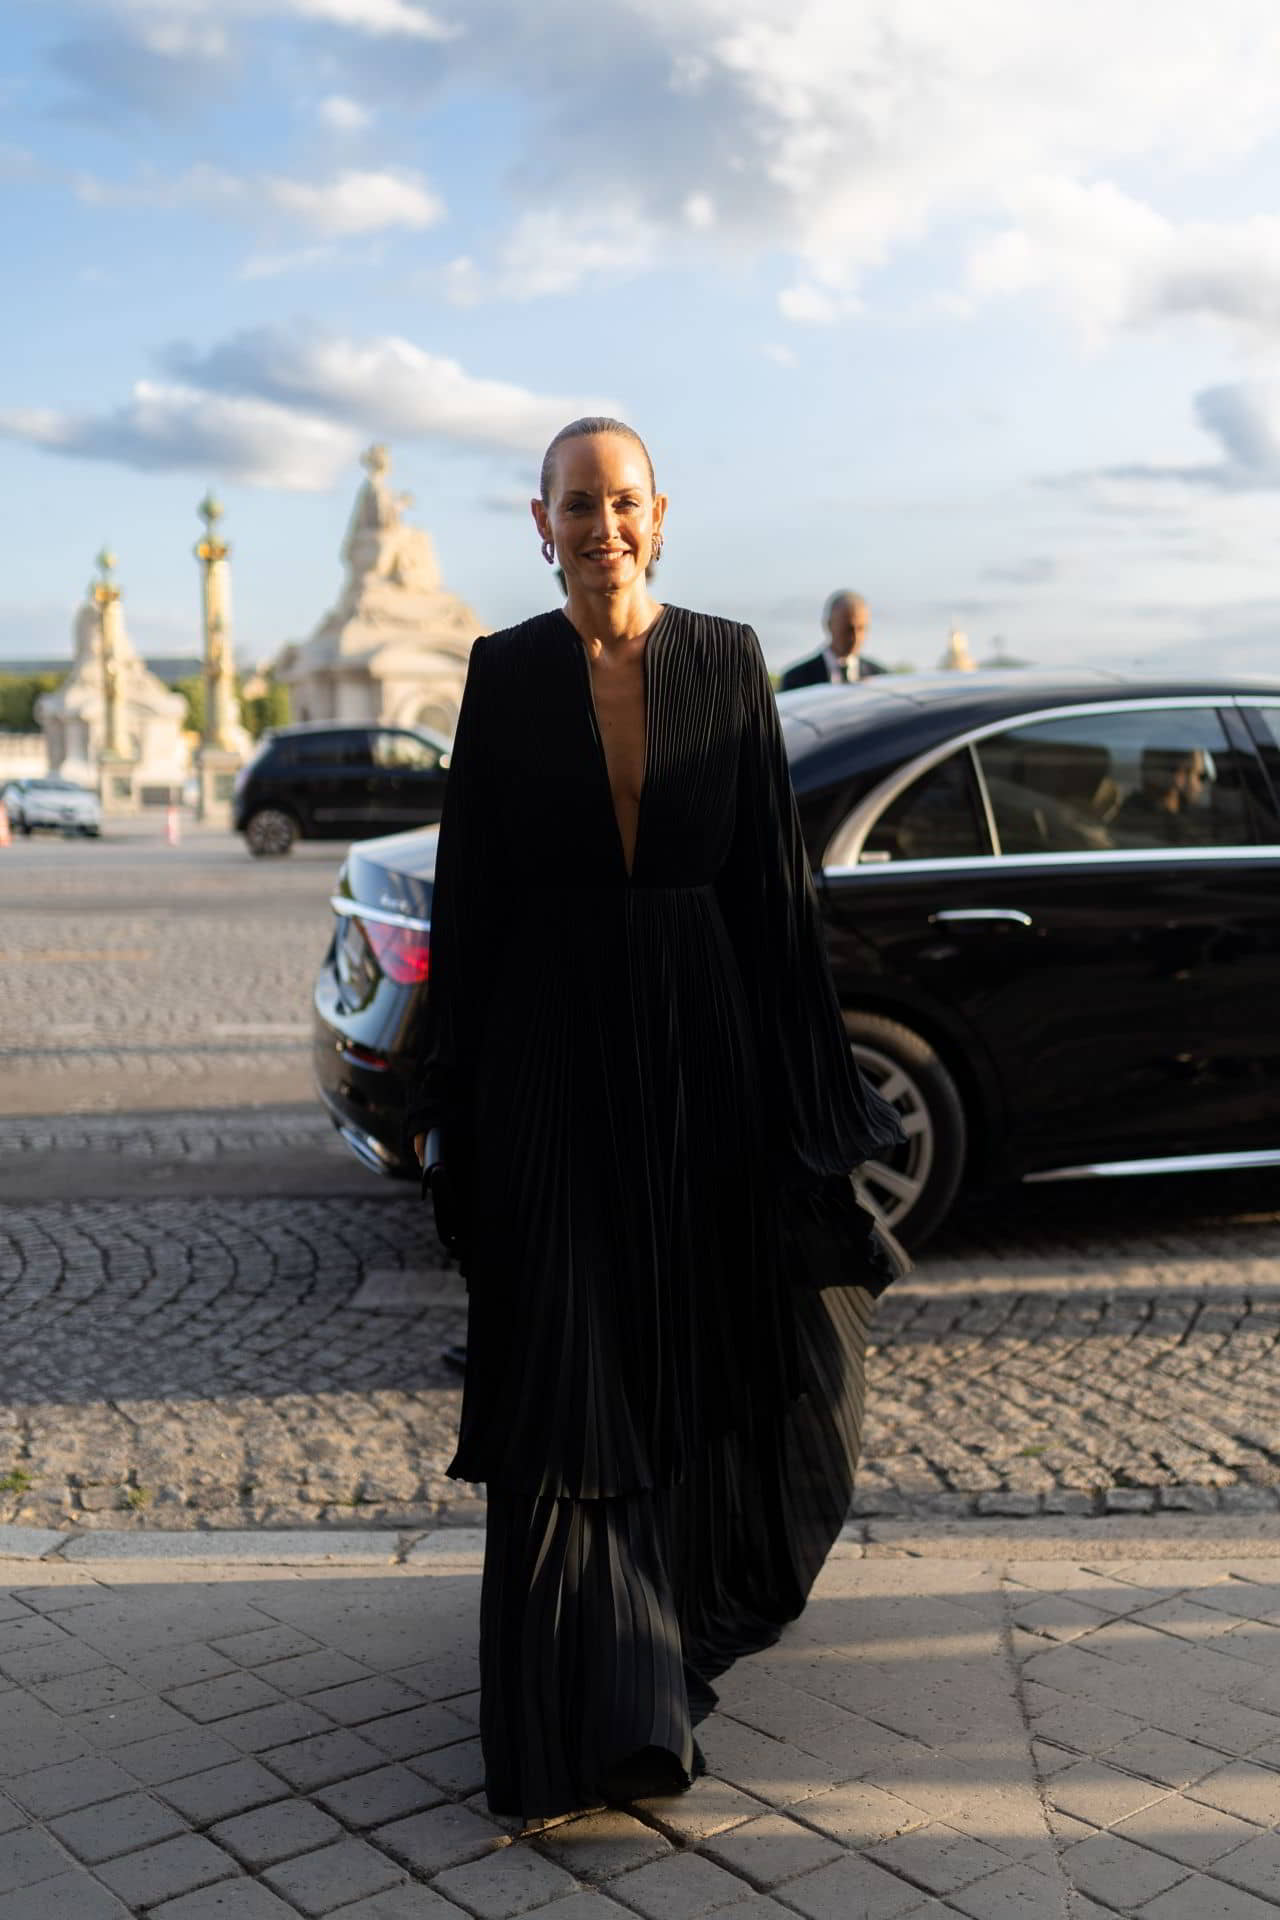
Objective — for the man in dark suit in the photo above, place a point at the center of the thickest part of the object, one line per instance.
(847, 619)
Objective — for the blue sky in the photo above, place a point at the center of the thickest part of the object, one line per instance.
(969, 307)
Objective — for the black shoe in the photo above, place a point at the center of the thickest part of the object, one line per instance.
(455, 1357)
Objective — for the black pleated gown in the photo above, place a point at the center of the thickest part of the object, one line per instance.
(638, 1077)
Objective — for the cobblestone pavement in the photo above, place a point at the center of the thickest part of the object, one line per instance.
(1002, 1738)
(138, 974)
(273, 1357)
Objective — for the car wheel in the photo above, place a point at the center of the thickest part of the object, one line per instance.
(24, 828)
(911, 1188)
(270, 833)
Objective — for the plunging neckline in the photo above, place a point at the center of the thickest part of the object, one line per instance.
(597, 735)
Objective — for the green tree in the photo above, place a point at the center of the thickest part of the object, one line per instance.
(18, 695)
(192, 691)
(269, 709)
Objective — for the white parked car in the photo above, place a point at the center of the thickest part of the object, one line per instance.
(52, 802)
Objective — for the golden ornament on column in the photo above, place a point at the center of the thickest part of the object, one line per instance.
(106, 597)
(219, 666)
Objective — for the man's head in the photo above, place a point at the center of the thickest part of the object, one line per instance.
(1174, 777)
(847, 619)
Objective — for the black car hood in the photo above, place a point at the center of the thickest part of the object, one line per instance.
(395, 873)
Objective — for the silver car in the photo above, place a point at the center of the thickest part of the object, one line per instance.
(52, 802)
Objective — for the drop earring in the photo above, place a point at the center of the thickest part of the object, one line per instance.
(656, 550)
(549, 552)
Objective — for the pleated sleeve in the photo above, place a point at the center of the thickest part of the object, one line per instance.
(823, 1118)
(462, 916)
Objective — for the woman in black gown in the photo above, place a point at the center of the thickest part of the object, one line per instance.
(649, 1115)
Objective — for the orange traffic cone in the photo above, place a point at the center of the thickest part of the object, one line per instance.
(6, 837)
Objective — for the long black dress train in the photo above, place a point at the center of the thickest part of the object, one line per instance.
(640, 1079)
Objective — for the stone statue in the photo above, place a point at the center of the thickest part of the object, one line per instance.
(379, 544)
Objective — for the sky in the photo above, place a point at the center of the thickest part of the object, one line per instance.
(970, 305)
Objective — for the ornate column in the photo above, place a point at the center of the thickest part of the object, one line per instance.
(115, 762)
(219, 755)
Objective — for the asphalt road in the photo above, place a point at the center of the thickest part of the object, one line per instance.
(210, 1314)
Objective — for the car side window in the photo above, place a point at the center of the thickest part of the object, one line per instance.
(404, 753)
(938, 817)
(1116, 782)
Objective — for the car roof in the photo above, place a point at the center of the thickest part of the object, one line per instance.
(923, 708)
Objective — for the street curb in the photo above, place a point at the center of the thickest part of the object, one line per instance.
(1119, 1537)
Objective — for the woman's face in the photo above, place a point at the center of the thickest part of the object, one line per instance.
(602, 514)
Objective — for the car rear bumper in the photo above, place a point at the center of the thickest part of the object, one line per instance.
(361, 1090)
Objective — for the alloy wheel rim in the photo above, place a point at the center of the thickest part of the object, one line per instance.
(272, 832)
(891, 1187)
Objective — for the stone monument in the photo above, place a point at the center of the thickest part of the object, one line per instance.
(394, 648)
(112, 724)
(225, 745)
(958, 658)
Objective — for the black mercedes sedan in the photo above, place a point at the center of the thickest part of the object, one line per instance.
(1052, 905)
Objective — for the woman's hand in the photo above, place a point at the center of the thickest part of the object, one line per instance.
(420, 1147)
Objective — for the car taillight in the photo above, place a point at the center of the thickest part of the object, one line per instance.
(403, 953)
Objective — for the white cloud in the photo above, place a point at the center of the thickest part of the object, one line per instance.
(349, 202)
(386, 385)
(550, 252)
(1117, 264)
(780, 355)
(163, 428)
(291, 410)
(342, 115)
(1242, 417)
(810, 306)
(200, 26)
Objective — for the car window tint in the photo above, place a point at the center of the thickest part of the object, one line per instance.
(326, 750)
(1115, 782)
(404, 752)
(938, 817)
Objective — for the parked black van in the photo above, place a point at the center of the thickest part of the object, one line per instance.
(319, 781)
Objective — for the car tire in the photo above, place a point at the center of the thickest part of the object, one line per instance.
(24, 828)
(270, 833)
(912, 1187)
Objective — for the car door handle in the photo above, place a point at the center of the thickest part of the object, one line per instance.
(1015, 914)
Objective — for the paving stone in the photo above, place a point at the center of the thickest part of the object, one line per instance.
(270, 1834)
(161, 1872)
(171, 1667)
(309, 1672)
(220, 1699)
(1164, 1757)
(68, 1896)
(124, 1825)
(853, 1886)
(75, 1783)
(173, 1755)
(50, 1660)
(1188, 1831)
(228, 1900)
(709, 1807)
(262, 1645)
(420, 1730)
(680, 1887)
(1122, 1875)
(371, 1799)
(771, 1849)
(584, 1906)
(938, 1857)
(408, 1903)
(1253, 1793)
(264, 1727)
(457, 1770)
(771, 1769)
(1018, 1892)
(501, 1884)
(442, 1837)
(361, 1699)
(128, 1723)
(222, 1791)
(10, 1816)
(99, 1686)
(1204, 1899)
(858, 1814)
(28, 1856)
(322, 1759)
(316, 1883)
(1254, 1866)
(1100, 1794)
